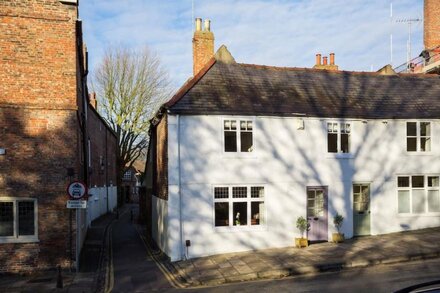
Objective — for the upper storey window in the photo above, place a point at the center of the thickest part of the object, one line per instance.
(418, 136)
(338, 137)
(238, 135)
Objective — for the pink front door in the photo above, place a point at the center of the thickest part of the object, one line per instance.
(317, 213)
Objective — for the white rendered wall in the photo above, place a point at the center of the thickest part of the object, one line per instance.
(287, 160)
(159, 214)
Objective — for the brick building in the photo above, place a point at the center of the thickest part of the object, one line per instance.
(49, 134)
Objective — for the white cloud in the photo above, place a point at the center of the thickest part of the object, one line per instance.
(278, 32)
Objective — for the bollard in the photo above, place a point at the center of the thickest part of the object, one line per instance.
(59, 278)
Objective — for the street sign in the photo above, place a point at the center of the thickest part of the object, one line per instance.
(76, 204)
(76, 190)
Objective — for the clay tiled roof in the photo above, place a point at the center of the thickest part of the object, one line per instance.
(244, 89)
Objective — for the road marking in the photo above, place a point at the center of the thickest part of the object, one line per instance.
(109, 280)
(170, 277)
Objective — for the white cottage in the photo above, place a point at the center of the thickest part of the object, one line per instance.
(241, 151)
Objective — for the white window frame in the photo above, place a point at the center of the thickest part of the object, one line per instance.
(339, 139)
(238, 130)
(16, 238)
(425, 189)
(418, 137)
(231, 202)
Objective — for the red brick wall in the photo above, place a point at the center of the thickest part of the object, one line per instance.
(38, 123)
(432, 24)
(160, 185)
(103, 151)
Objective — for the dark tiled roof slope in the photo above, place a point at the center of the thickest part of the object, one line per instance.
(245, 89)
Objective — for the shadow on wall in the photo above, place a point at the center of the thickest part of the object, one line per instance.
(377, 152)
(40, 146)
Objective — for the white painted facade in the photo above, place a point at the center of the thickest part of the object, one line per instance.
(285, 160)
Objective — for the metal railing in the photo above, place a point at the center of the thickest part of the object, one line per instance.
(419, 64)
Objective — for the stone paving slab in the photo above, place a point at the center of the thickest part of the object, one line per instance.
(316, 258)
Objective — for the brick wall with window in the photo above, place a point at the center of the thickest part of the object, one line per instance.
(39, 130)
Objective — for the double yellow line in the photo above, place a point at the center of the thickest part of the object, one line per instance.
(169, 276)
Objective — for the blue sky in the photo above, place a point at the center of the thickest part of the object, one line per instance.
(277, 32)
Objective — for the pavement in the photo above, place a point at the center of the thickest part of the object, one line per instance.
(118, 257)
(316, 258)
(91, 275)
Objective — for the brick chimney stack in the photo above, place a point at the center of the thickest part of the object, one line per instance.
(431, 36)
(325, 65)
(203, 45)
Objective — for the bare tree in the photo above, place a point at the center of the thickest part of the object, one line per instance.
(130, 85)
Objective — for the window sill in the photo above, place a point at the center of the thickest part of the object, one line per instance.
(339, 156)
(238, 229)
(421, 215)
(24, 239)
(419, 153)
(237, 155)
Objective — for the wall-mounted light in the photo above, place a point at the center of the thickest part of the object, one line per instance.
(385, 122)
(2, 151)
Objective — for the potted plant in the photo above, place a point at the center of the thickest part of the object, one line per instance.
(303, 225)
(337, 221)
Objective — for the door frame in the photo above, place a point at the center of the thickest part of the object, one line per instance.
(325, 189)
(370, 184)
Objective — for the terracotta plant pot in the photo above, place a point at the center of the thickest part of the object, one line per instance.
(338, 237)
(301, 242)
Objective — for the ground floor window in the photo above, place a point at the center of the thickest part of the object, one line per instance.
(418, 194)
(18, 219)
(239, 206)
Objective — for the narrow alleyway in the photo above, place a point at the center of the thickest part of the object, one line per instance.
(133, 269)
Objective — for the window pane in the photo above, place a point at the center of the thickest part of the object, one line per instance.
(403, 201)
(221, 192)
(332, 146)
(240, 213)
(221, 214)
(257, 213)
(230, 141)
(411, 144)
(425, 144)
(417, 181)
(249, 125)
(246, 141)
(239, 192)
(26, 225)
(433, 201)
(345, 143)
(411, 128)
(403, 181)
(242, 125)
(418, 201)
(425, 129)
(234, 125)
(257, 192)
(227, 124)
(433, 181)
(6, 219)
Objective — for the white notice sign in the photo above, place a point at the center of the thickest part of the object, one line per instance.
(76, 204)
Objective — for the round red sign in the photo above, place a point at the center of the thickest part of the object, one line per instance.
(76, 190)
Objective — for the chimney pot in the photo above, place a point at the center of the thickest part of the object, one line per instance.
(198, 24)
(332, 58)
(207, 25)
(324, 61)
(318, 59)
